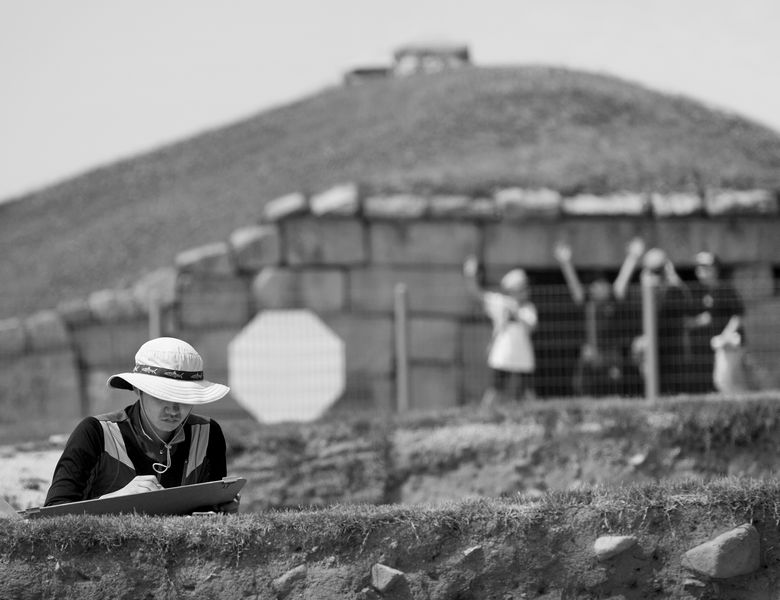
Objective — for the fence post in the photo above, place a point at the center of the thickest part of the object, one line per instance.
(650, 282)
(155, 316)
(401, 322)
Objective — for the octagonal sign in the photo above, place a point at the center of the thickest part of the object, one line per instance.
(286, 365)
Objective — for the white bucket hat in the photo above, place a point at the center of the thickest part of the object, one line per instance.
(172, 370)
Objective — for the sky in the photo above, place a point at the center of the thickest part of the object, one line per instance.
(88, 82)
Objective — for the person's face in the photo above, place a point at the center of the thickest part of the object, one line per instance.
(163, 415)
(706, 274)
(600, 290)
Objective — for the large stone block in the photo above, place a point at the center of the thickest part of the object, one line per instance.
(433, 243)
(596, 243)
(754, 281)
(213, 259)
(108, 306)
(622, 203)
(320, 290)
(342, 200)
(519, 203)
(434, 386)
(334, 241)
(208, 301)
(46, 331)
(676, 204)
(432, 339)
(256, 247)
(733, 240)
(275, 288)
(368, 342)
(395, 206)
(110, 344)
(212, 345)
(433, 292)
(285, 207)
(40, 387)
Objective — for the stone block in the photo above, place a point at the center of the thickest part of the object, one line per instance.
(754, 281)
(519, 203)
(46, 331)
(109, 344)
(324, 242)
(342, 200)
(212, 345)
(208, 301)
(762, 324)
(211, 259)
(595, 243)
(40, 387)
(284, 207)
(618, 204)
(609, 546)
(736, 552)
(322, 290)
(13, 337)
(275, 288)
(475, 209)
(733, 240)
(395, 206)
(430, 243)
(108, 306)
(76, 312)
(447, 206)
(256, 247)
(385, 578)
(157, 286)
(368, 342)
(433, 292)
(676, 204)
(434, 387)
(432, 339)
(740, 202)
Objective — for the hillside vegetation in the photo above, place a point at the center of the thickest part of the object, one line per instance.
(470, 130)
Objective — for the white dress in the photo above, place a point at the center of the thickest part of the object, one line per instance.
(513, 323)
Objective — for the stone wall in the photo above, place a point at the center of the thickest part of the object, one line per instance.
(340, 253)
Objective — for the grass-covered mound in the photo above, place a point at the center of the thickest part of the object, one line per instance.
(513, 547)
(529, 448)
(470, 130)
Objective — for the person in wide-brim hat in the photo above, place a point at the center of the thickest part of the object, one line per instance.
(156, 442)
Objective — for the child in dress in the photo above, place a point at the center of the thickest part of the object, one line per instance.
(514, 318)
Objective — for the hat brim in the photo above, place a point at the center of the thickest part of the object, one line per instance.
(171, 390)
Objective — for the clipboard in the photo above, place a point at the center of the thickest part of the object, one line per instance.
(182, 500)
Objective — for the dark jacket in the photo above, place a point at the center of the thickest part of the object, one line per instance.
(104, 453)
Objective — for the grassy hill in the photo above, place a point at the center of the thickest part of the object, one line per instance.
(470, 130)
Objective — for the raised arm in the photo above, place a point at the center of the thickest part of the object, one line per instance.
(634, 252)
(562, 253)
(471, 268)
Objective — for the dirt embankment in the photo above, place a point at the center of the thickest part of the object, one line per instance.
(534, 449)
(516, 503)
(624, 543)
